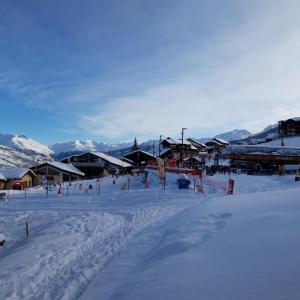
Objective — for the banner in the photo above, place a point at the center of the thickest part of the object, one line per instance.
(161, 168)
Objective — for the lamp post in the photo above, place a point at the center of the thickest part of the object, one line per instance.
(153, 147)
(181, 152)
(159, 145)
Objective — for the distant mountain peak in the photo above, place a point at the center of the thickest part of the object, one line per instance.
(86, 145)
(236, 134)
(24, 144)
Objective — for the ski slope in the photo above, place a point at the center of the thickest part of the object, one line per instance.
(104, 243)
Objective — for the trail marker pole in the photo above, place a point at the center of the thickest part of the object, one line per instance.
(27, 229)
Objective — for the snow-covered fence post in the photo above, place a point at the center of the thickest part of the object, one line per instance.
(230, 186)
(98, 185)
(27, 229)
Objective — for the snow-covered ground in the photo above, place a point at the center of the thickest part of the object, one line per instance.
(104, 243)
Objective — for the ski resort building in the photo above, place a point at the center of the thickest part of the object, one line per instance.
(139, 158)
(17, 178)
(197, 144)
(97, 164)
(290, 127)
(216, 145)
(171, 149)
(56, 172)
(254, 159)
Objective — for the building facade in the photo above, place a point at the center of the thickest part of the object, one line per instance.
(289, 128)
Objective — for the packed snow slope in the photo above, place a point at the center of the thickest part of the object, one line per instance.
(104, 243)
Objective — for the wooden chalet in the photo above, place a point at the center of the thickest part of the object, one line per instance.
(196, 144)
(139, 158)
(56, 172)
(216, 145)
(172, 149)
(168, 143)
(18, 178)
(290, 127)
(97, 164)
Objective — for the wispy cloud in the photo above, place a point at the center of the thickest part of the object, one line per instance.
(251, 80)
(210, 67)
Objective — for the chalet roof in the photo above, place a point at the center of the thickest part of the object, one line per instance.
(221, 141)
(126, 160)
(214, 142)
(108, 158)
(184, 142)
(169, 140)
(15, 173)
(65, 167)
(297, 119)
(141, 151)
(112, 160)
(195, 142)
(2, 177)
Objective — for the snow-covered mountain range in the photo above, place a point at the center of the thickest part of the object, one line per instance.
(236, 134)
(24, 144)
(87, 145)
(16, 150)
(14, 158)
(19, 150)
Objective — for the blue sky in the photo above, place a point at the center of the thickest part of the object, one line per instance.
(112, 70)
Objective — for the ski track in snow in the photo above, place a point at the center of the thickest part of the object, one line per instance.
(72, 239)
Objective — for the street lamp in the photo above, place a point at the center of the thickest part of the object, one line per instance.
(182, 132)
(159, 145)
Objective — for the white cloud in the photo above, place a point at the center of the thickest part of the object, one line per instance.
(253, 81)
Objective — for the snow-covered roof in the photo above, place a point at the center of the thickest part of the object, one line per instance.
(147, 153)
(2, 177)
(65, 167)
(214, 142)
(15, 173)
(192, 140)
(126, 160)
(169, 140)
(112, 160)
(297, 119)
(221, 141)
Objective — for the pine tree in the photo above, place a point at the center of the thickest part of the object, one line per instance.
(135, 145)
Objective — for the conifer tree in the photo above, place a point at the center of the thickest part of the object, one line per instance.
(135, 145)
